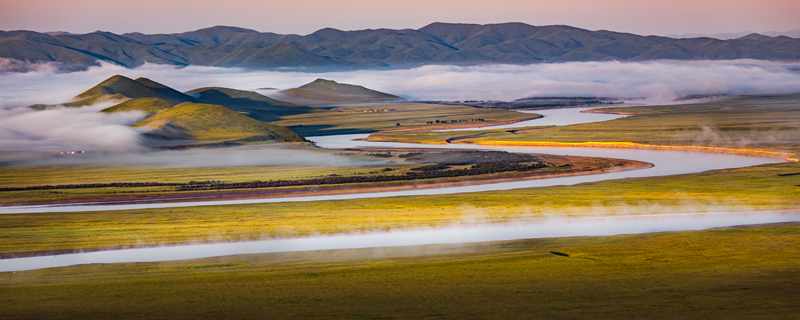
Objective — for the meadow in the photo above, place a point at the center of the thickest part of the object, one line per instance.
(731, 273)
(367, 169)
(770, 123)
(410, 116)
(767, 187)
(724, 273)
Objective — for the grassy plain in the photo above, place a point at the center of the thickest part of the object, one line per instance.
(364, 165)
(719, 274)
(769, 123)
(744, 189)
(410, 116)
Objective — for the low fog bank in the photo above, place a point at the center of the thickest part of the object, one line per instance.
(111, 140)
(655, 80)
(68, 129)
(64, 136)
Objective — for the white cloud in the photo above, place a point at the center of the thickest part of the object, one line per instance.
(67, 129)
(652, 79)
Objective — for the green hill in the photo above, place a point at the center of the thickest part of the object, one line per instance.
(147, 105)
(249, 103)
(117, 88)
(331, 91)
(139, 88)
(98, 98)
(212, 122)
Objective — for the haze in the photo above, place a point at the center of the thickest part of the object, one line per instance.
(306, 16)
(658, 81)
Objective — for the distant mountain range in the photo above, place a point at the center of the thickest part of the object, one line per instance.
(734, 35)
(437, 43)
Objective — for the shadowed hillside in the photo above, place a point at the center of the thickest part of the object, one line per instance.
(118, 88)
(437, 43)
(249, 103)
(331, 91)
(139, 88)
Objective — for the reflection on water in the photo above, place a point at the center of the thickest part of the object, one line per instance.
(592, 226)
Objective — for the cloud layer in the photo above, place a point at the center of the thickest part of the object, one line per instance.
(661, 80)
(66, 129)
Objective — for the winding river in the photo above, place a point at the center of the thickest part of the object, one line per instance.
(666, 162)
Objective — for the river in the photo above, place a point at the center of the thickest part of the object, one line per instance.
(666, 162)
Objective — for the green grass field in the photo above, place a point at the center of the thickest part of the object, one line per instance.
(351, 164)
(713, 274)
(718, 274)
(353, 119)
(754, 188)
(769, 123)
(212, 122)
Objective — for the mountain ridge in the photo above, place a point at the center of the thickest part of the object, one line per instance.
(436, 43)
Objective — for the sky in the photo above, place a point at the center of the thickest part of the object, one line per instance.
(644, 17)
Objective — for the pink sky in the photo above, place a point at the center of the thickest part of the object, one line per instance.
(305, 16)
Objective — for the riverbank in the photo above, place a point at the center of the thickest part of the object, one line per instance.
(565, 167)
(654, 276)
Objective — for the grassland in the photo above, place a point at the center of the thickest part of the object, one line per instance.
(719, 274)
(363, 172)
(410, 116)
(770, 123)
(754, 188)
(212, 122)
(146, 105)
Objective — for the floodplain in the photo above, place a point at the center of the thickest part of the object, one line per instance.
(737, 273)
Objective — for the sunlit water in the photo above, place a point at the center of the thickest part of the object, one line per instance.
(553, 117)
(592, 226)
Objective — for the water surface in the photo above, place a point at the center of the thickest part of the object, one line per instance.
(591, 226)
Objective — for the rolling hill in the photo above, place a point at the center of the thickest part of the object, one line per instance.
(139, 88)
(437, 43)
(249, 103)
(217, 114)
(152, 97)
(146, 105)
(120, 88)
(197, 121)
(333, 92)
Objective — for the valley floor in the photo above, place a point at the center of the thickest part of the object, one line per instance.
(735, 273)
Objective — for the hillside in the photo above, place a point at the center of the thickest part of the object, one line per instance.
(198, 121)
(437, 43)
(331, 91)
(146, 105)
(249, 103)
(139, 88)
(151, 97)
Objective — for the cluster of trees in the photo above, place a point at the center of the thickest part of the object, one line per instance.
(98, 185)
